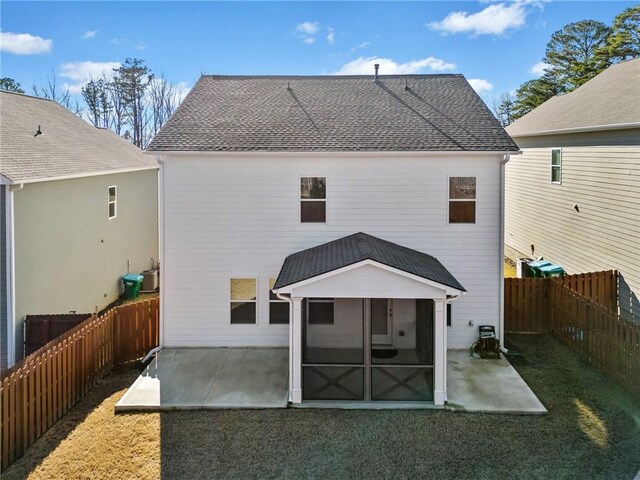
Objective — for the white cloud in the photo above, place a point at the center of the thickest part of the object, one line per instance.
(309, 40)
(364, 66)
(308, 28)
(496, 19)
(89, 34)
(361, 46)
(330, 35)
(81, 72)
(182, 89)
(24, 43)
(480, 85)
(539, 68)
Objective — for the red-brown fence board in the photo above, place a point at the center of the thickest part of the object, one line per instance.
(37, 391)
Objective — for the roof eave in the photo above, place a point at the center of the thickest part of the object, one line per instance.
(593, 128)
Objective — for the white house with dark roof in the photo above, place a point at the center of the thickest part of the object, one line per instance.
(356, 221)
(78, 209)
(573, 196)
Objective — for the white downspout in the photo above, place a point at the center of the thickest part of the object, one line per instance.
(501, 243)
(11, 272)
(155, 350)
(288, 299)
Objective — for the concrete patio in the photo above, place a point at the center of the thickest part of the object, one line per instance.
(218, 378)
(210, 378)
(487, 386)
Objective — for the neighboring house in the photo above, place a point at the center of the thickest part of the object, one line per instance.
(78, 209)
(573, 197)
(339, 216)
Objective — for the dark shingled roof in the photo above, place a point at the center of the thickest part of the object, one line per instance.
(356, 248)
(332, 113)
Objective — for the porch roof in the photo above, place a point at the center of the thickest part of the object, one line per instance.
(356, 248)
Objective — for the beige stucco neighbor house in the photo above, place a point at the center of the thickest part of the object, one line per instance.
(78, 207)
(355, 220)
(573, 196)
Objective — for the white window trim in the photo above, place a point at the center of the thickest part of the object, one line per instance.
(321, 300)
(114, 202)
(449, 199)
(325, 200)
(555, 166)
(257, 322)
(277, 300)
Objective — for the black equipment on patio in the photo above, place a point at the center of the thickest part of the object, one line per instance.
(488, 345)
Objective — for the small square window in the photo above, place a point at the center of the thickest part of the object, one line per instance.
(320, 311)
(556, 165)
(112, 210)
(243, 301)
(313, 200)
(278, 309)
(462, 200)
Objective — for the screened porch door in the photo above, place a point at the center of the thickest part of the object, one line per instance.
(381, 322)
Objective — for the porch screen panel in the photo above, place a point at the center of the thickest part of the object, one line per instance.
(332, 382)
(402, 384)
(424, 330)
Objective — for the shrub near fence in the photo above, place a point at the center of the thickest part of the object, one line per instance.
(37, 391)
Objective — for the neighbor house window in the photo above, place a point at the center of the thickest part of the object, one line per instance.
(320, 311)
(243, 301)
(313, 199)
(111, 201)
(556, 165)
(278, 309)
(462, 199)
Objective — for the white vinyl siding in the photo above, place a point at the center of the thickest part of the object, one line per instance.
(604, 183)
(212, 233)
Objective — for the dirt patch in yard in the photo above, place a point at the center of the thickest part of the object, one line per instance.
(592, 431)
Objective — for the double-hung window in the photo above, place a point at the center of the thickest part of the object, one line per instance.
(112, 209)
(556, 165)
(243, 301)
(278, 309)
(462, 199)
(313, 200)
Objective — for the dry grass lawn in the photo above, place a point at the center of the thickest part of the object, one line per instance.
(592, 431)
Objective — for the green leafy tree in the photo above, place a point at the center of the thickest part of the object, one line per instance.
(624, 41)
(533, 93)
(95, 97)
(132, 80)
(10, 85)
(503, 108)
(573, 53)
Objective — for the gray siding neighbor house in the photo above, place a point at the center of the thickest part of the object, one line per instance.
(573, 196)
(78, 209)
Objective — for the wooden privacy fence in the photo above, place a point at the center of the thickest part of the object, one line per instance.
(527, 300)
(37, 391)
(608, 342)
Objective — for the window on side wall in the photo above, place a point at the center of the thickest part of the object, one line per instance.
(278, 309)
(462, 199)
(112, 208)
(556, 165)
(320, 311)
(243, 301)
(448, 314)
(313, 200)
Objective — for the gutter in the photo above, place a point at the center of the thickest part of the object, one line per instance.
(595, 128)
(503, 164)
(11, 271)
(83, 175)
(160, 346)
(325, 153)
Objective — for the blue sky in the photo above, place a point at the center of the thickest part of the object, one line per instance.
(495, 44)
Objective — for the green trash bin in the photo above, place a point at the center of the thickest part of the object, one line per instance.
(534, 267)
(132, 284)
(552, 270)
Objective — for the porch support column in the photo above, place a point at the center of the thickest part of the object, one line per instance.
(440, 353)
(296, 351)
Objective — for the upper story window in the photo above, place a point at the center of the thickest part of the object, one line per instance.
(112, 201)
(243, 300)
(556, 165)
(462, 199)
(278, 309)
(313, 200)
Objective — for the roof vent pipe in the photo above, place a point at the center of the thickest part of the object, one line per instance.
(375, 76)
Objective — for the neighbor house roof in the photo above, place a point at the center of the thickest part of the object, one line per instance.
(357, 248)
(67, 147)
(332, 113)
(610, 99)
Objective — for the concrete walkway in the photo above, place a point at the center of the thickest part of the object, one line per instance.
(487, 386)
(211, 378)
